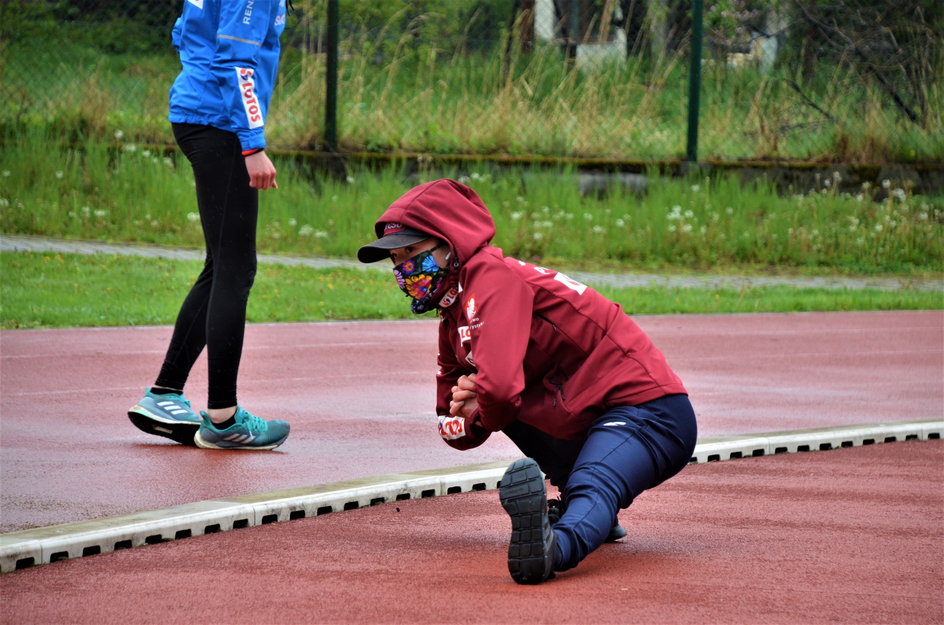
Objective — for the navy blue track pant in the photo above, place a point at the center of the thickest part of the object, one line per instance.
(628, 449)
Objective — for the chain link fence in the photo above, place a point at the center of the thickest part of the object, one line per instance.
(606, 80)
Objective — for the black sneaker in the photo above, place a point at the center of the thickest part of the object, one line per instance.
(524, 497)
(556, 509)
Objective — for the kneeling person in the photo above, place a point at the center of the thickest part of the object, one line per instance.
(561, 370)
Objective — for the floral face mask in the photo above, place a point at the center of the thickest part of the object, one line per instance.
(420, 277)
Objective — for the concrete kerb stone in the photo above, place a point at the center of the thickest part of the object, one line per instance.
(20, 243)
(45, 545)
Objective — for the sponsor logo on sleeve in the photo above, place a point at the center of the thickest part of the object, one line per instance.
(470, 310)
(247, 90)
(451, 428)
(464, 334)
(197, 3)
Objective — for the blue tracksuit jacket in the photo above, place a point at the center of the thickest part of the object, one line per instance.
(229, 50)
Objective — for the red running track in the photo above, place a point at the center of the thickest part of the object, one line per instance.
(360, 400)
(845, 536)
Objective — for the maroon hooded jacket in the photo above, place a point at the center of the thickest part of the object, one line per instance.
(548, 351)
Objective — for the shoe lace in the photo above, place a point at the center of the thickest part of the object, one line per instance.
(252, 422)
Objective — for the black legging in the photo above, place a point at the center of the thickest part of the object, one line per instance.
(214, 312)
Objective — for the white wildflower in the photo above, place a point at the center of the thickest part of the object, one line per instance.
(193, 217)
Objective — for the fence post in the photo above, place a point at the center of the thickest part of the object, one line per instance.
(331, 80)
(694, 82)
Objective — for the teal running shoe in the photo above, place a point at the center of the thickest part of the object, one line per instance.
(168, 415)
(249, 432)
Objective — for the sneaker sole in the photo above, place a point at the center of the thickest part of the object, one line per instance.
(523, 495)
(179, 431)
(201, 442)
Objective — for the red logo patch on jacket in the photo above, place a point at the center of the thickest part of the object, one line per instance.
(470, 310)
(247, 89)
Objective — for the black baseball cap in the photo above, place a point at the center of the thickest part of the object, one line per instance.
(395, 235)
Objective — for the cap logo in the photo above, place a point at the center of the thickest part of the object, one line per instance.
(393, 228)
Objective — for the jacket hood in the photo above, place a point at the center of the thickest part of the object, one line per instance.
(446, 209)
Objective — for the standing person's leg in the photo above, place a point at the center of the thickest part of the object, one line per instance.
(229, 210)
(629, 449)
(209, 151)
(213, 314)
(164, 410)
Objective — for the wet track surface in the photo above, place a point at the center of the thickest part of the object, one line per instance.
(815, 537)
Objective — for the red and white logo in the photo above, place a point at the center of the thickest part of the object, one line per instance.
(247, 89)
(464, 334)
(196, 3)
(451, 428)
(470, 310)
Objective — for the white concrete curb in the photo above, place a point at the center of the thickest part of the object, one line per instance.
(44, 545)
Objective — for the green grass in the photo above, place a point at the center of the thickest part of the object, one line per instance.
(717, 224)
(48, 290)
(439, 99)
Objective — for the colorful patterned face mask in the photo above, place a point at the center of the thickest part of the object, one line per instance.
(419, 277)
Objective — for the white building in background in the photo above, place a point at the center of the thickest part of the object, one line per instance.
(589, 54)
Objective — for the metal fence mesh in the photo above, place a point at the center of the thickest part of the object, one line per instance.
(606, 79)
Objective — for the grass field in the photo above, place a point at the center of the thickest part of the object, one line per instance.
(131, 194)
(49, 290)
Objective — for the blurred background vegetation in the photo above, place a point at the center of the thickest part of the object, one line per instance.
(822, 80)
(821, 147)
